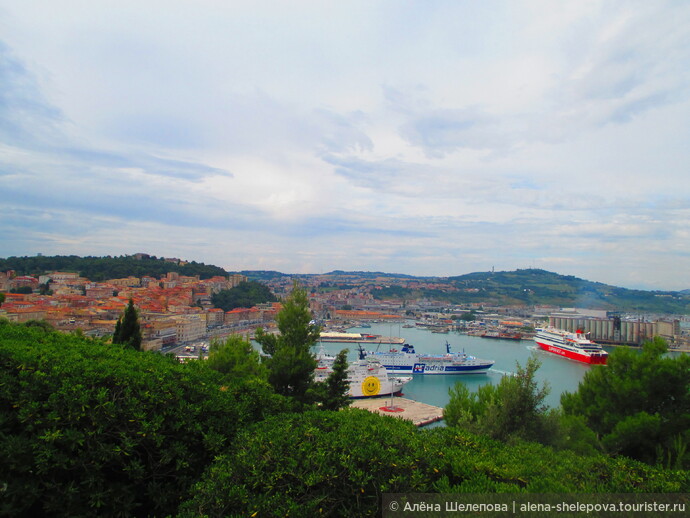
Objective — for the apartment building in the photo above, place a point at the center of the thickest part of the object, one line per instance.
(98, 291)
(127, 282)
(190, 327)
(215, 317)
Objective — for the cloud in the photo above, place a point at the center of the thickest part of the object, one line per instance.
(420, 138)
(43, 166)
(25, 115)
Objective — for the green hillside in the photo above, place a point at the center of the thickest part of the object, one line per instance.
(539, 287)
(101, 268)
(526, 287)
(533, 286)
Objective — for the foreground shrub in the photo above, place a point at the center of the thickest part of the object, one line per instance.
(340, 464)
(89, 429)
(639, 404)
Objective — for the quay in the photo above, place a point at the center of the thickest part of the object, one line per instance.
(419, 413)
(359, 338)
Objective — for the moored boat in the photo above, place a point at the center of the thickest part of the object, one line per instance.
(575, 346)
(359, 338)
(366, 376)
(501, 335)
(407, 361)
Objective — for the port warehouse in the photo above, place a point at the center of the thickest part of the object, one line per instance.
(617, 331)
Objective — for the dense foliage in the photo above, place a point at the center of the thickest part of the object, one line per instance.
(333, 392)
(102, 268)
(236, 359)
(639, 404)
(513, 408)
(127, 329)
(289, 358)
(244, 295)
(340, 463)
(95, 429)
(89, 429)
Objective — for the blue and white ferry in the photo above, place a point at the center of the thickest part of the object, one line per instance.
(407, 361)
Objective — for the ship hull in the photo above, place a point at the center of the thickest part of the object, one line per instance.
(362, 390)
(405, 363)
(590, 359)
(438, 369)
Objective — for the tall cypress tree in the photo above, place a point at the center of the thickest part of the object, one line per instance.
(127, 329)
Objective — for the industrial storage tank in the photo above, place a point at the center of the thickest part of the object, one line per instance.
(596, 334)
(608, 330)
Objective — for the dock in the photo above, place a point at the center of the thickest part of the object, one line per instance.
(419, 413)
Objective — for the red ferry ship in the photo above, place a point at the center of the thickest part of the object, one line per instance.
(575, 346)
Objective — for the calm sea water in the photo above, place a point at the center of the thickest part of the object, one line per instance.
(562, 375)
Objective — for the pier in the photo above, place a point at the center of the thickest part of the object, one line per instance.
(419, 413)
(359, 338)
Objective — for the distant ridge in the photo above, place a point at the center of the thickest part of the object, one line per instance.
(523, 287)
(373, 274)
(109, 267)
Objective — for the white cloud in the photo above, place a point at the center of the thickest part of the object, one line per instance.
(421, 137)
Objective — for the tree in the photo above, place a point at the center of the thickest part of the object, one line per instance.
(340, 463)
(244, 295)
(513, 408)
(639, 404)
(89, 429)
(334, 391)
(22, 289)
(468, 317)
(127, 329)
(236, 358)
(290, 361)
(41, 324)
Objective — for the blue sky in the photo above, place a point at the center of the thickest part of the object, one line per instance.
(426, 138)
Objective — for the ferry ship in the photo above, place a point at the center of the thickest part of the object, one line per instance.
(407, 361)
(575, 346)
(367, 377)
(501, 335)
(359, 338)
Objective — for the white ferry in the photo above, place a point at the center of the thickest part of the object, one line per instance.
(407, 361)
(367, 377)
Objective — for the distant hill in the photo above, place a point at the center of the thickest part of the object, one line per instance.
(527, 287)
(369, 275)
(263, 275)
(519, 287)
(101, 268)
(537, 287)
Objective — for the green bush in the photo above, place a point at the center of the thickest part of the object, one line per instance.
(89, 429)
(314, 463)
(340, 464)
(638, 404)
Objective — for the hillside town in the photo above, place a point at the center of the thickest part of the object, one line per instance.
(177, 310)
(173, 309)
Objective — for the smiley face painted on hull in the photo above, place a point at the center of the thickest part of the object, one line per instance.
(371, 386)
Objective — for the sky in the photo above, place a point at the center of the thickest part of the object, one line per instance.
(430, 138)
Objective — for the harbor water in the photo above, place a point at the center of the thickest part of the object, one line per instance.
(561, 374)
